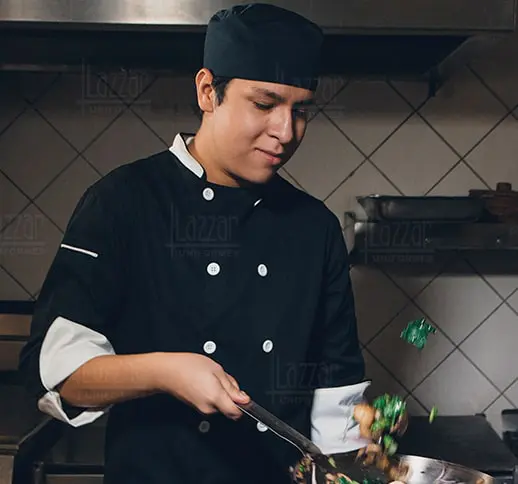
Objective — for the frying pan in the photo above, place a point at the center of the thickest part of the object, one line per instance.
(423, 470)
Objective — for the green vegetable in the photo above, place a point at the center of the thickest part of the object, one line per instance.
(391, 409)
(390, 445)
(433, 414)
(416, 333)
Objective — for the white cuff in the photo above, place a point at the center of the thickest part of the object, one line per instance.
(333, 427)
(66, 347)
(50, 403)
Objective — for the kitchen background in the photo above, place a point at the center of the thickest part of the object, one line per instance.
(60, 133)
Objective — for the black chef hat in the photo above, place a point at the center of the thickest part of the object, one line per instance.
(263, 42)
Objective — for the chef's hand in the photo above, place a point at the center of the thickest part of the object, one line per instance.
(201, 383)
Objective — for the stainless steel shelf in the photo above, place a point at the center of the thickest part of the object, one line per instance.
(494, 245)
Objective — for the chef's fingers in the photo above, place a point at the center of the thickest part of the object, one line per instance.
(233, 381)
(235, 384)
(227, 399)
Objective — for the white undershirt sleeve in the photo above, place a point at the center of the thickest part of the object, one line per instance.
(66, 347)
(333, 427)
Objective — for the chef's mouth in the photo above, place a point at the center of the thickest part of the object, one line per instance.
(273, 158)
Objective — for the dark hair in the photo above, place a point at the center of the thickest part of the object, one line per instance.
(220, 85)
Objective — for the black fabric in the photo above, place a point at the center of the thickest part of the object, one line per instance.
(263, 42)
(149, 291)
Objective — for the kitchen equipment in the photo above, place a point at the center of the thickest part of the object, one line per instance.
(282, 429)
(423, 470)
(288, 433)
(510, 429)
(467, 440)
(501, 203)
(402, 208)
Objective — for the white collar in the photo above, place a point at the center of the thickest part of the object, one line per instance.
(179, 149)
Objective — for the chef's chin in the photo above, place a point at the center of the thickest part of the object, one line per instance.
(258, 177)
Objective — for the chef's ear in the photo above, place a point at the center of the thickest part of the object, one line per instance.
(205, 91)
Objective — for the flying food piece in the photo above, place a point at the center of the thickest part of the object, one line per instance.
(416, 333)
(390, 411)
(433, 414)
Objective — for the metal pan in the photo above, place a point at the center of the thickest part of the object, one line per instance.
(423, 470)
(440, 209)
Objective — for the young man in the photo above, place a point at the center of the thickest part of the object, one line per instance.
(187, 276)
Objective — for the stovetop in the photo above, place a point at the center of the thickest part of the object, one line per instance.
(465, 440)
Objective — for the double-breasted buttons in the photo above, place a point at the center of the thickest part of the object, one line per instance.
(213, 269)
(209, 347)
(204, 427)
(261, 427)
(262, 270)
(267, 346)
(208, 194)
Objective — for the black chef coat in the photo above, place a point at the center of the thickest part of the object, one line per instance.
(156, 258)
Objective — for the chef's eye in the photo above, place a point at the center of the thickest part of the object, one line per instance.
(263, 107)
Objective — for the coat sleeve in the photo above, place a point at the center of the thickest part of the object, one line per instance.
(75, 312)
(340, 359)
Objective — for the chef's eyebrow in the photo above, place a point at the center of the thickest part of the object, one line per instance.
(278, 98)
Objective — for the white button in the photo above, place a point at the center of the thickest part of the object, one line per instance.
(268, 346)
(213, 268)
(262, 270)
(204, 427)
(209, 347)
(261, 427)
(208, 194)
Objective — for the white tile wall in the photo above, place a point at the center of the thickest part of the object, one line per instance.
(60, 133)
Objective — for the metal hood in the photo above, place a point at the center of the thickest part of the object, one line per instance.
(422, 39)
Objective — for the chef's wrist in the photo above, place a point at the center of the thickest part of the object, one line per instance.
(163, 370)
(156, 371)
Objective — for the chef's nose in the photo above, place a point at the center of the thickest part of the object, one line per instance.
(282, 125)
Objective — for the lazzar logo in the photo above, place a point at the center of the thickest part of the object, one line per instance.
(203, 235)
(109, 92)
(22, 234)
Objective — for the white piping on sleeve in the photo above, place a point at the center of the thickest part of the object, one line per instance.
(66, 347)
(78, 249)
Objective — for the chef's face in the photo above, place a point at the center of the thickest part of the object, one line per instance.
(255, 129)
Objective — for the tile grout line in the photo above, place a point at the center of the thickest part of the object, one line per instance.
(487, 86)
(396, 379)
(79, 154)
(318, 111)
(410, 299)
(28, 103)
(503, 395)
(505, 300)
(456, 347)
(13, 121)
(16, 280)
(461, 157)
(367, 157)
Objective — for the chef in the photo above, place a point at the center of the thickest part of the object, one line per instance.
(195, 279)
